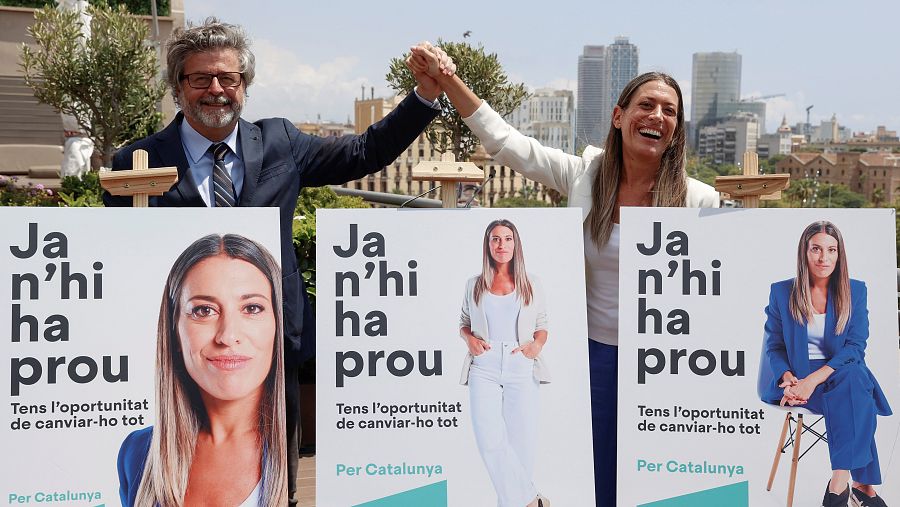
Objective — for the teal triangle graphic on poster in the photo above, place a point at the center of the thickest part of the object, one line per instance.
(733, 495)
(432, 495)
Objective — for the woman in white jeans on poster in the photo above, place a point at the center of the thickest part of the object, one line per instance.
(504, 323)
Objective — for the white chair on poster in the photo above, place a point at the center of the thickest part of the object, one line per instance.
(794, 427)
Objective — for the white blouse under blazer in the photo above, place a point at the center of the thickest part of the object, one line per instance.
(531, 318)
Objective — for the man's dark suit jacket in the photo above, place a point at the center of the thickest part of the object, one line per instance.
(279, 160)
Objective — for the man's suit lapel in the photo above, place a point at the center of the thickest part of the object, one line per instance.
(170, 152)
(250, 138)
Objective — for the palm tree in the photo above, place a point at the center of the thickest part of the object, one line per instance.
(800, 193)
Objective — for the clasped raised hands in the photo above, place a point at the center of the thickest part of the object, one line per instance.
(429, 63)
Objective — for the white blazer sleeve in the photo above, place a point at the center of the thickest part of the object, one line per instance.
(508, 146)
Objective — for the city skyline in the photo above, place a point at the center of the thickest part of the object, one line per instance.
(312, 58)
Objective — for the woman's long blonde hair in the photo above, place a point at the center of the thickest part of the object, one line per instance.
(838, 283)
(489, 267)
(670, 189)
(180, 413)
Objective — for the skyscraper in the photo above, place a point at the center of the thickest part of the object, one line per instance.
(591, 68)
(715, 81)
(621, 67)
(603, 71)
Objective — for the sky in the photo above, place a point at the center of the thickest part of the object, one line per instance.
(840, 57)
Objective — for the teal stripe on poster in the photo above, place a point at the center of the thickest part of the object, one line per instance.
(733, 495)
(432, 495)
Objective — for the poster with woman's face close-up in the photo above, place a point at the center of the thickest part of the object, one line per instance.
(146, 351)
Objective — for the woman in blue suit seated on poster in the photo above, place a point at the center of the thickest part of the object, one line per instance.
(219, 434)
(816, 330)
(504, 324)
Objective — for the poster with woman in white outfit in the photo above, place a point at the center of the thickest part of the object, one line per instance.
(504, 324)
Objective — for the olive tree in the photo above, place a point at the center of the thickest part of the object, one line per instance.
(107, 81)
(483, 73)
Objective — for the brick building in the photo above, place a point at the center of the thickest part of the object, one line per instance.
(865, 173)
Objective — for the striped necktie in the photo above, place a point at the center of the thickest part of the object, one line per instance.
(223, 187)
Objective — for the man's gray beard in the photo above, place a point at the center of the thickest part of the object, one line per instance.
(209, 118)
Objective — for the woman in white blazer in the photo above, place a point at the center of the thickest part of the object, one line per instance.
(504, 323)
(642, 165)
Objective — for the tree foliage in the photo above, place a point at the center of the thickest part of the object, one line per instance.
(483, 73)
(808, 193)
(768, 165)
(107, 82)
(706, 172)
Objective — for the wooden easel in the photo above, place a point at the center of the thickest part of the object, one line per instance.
(141, 182)
(752, 186)
(449, 172)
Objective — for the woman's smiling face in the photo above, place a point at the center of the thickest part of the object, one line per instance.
(648, 122)
(226, 327)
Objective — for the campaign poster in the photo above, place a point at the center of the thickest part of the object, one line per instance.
(84, 311)
(719, 308)
(404, 414)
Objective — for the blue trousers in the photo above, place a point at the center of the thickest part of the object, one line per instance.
(604, 369)
(846, 400)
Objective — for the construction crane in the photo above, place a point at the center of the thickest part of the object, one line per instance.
(808, 126)
(761, 97)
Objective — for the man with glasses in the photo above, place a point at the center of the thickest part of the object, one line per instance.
(223, 160)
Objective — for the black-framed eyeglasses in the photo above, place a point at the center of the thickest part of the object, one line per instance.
(201, 80)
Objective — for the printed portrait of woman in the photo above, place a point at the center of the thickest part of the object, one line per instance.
(504, 324)
(816, 327)
(219, 437)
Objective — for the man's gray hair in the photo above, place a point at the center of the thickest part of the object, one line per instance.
(211, 35)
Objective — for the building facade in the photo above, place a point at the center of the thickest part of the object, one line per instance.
(716, 81)
(549, 116)
(876, 175)
(325, 128)
(758, 108)
(397, 177)
(726, 141)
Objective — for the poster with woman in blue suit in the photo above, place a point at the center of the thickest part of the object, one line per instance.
(761, 358)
